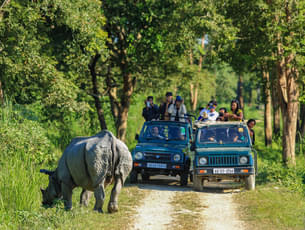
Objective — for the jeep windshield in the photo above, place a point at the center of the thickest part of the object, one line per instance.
(166, 132)
(223, 135)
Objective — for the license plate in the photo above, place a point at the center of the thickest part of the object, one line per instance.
(223, 171)
(156, 165)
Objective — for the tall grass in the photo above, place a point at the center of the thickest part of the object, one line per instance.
(28, 144)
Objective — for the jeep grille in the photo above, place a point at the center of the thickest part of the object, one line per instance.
(157, 156)
(229, 160)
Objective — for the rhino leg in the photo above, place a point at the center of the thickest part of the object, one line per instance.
(113, 203)
(85, 197)
(99, 194)
(67, 196)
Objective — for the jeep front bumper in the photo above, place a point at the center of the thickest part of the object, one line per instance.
(224, 171)
(155, 166)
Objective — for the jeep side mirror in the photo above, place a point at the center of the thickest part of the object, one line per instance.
(137, 137)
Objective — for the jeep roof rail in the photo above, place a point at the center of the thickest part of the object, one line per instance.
(200, 124)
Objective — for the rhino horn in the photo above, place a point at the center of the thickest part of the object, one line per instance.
(45, 171)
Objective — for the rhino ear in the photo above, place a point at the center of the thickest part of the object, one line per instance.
(45, 171)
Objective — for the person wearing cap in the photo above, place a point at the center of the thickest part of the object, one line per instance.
(163, 109)
(204, 112)
(177, 110)
(150, 111)
(212, 114)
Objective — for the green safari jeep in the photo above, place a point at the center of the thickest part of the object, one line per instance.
(163, 148)
(223, 150)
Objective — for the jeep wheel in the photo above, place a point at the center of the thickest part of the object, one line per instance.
(145, 176)
(184, 178)
(191, 176)
(133, 177)
(197, 183)
(250, 182)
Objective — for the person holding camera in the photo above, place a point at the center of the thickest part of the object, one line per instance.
(151, 111)
(221, 116)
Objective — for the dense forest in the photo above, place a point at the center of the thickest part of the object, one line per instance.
(75, 67)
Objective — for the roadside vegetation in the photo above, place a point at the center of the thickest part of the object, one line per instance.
(278, 202)
(73, 68)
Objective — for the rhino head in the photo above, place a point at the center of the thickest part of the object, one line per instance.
(53, 191)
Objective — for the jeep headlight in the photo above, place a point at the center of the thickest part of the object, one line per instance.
(243, 160)
(177, 157)
(203, 160)
(138, 155)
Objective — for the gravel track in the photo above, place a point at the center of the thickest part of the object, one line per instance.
(156, 210)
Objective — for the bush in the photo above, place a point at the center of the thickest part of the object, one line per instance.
(23, 138)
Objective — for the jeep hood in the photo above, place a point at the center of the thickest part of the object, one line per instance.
(225, 150)
(159, 147)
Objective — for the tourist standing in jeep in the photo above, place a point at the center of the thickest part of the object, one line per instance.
(164, 115)
(150, 111)
(177, 110)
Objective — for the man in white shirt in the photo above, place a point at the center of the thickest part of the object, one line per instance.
(213, 114)
(209, 113)
(177, 110)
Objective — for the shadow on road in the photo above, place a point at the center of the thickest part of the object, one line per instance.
(168, 183)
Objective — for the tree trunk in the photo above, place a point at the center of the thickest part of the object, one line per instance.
(240, 91)
(276, 110)
(267, 111)
(289, 96)
(96, 94)
(194, 87)
(302, 120)
(128, 88)
(1, 94)
(250, 97)
(112, 93)
(201, 56)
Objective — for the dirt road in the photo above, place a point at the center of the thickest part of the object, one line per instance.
(157, 212)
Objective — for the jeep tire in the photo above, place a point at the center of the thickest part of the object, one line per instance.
(133, 177)
(250, 182)
(197, 183)
(145, 176)
(183, 178)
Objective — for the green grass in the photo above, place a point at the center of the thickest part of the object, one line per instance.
(27, 147)
(272, 207)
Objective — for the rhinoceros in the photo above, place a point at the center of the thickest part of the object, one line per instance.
(90, 163)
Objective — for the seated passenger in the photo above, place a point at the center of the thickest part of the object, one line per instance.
(208, 136)
(177, 110)
(222, 135)
(233, 135)
(236, 135)
(177, 133)
(155, 133)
